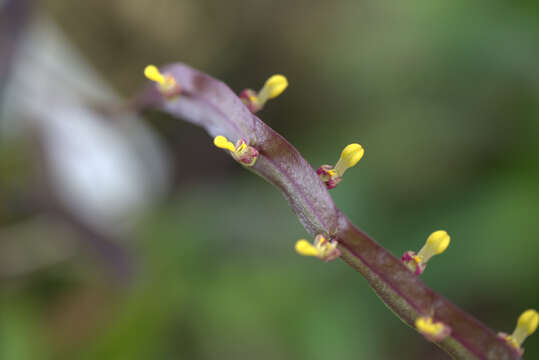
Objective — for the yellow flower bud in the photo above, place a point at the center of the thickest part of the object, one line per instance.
(433, 331)
(305, 248)
(528, 321)
(241, 152)
(321, 248)
(350, 156)
(223, 143)
(272, 88)
(275, 85)
(153, 73)
(438, 241)
(526, 325)
(332, 176)
(166, 83)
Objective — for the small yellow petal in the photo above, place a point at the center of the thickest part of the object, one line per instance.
(526, 325)
(303, 247)
(275, 85)
(223, 143)
(528, 321)
(433, 331)
(351, 154)
(438, 241)
(152, 73)
(425, 325)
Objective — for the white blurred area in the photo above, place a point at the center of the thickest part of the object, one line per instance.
(104, 169)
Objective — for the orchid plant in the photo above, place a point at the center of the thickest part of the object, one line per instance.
(200, 99)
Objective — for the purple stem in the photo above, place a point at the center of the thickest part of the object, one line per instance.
(209, 103)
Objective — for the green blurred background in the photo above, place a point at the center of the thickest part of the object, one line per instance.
(444, 97)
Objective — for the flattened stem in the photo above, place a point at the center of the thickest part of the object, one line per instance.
(408, 297)
(209, 103)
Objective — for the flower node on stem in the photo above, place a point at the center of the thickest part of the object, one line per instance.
(526, 325)
(273, 87)
(322, 248)
(431, 330)
(350, 156)
(241, 152)
(436, 244)
(166, 84)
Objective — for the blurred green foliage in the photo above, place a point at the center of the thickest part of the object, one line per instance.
(444, 97)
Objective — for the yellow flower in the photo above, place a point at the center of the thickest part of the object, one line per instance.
(526, 325)
(241, 152)
(350, 156)
(166, 83)
(436, 244)
(433, 331)
(321, 248)
(272, 88)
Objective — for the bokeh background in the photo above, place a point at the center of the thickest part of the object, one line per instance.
(444, 96)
